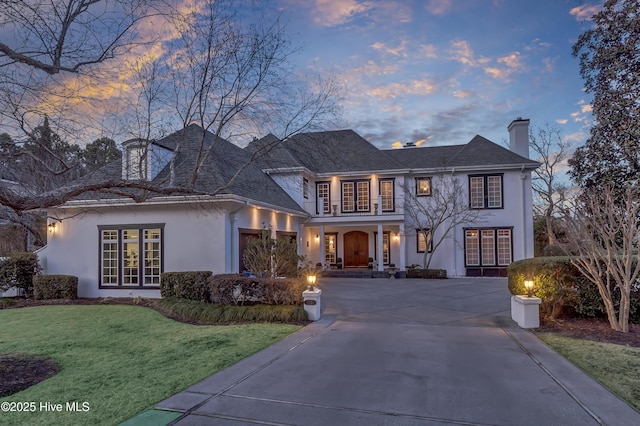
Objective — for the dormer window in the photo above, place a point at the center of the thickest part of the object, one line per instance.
(136, 163)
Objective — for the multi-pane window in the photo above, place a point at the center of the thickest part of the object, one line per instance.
(362, 196)
(472, 247)
(152, 256)
(504, 247)
(423, 186)
(330, 248)
(423, 240)
(348, 196)
(136, 163)
(386, 248)
(485, 192)
(494, 191)
(130, 256)
(109, 257)
(355, 196)
(488, 247)
(323, 195)
(305, 187)
(386, 192)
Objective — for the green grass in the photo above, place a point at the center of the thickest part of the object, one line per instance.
(617, 367)
(120, 359)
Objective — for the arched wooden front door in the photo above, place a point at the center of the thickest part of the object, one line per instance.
(356, 249)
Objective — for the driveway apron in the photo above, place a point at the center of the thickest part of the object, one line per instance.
(404, 352)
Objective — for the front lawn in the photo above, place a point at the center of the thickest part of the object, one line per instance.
(119, 359)
(617, 367)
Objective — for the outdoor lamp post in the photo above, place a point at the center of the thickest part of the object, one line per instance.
(528, 284)
(311, 280)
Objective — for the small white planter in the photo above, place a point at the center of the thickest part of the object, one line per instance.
(312, 300)
(525, 311)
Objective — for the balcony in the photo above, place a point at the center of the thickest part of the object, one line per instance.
(361, 207)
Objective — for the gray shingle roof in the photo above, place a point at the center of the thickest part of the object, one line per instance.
(224, 161)
(337, 151)
(477, 152)
(346, 151)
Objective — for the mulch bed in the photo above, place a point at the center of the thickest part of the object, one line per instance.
(596, 329)
(19, 371)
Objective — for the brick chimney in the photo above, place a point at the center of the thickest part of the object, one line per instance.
(519, 136)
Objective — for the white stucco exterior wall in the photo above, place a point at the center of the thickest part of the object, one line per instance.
(191, 242)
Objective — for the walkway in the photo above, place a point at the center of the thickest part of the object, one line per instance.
(404, 352)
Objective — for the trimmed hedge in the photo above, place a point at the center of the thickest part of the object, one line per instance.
(55, 287)
(18, 271)
(563, 289)
(191, 285)
(206, 313)
(234, 289)
(426, 273)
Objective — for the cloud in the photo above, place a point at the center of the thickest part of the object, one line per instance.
(562, 121)
(584, 12)
(394, 90)
(439, 7)
(511, 63)
(401, 50)
(397, 145)
(461, 94)
(427, 51)
(461, 51)
(331, 13)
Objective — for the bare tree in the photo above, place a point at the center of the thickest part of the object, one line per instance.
(552, 151)
(438, 212)
(227, 73)
(604, 229)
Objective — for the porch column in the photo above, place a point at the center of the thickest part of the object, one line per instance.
(379, 248)
(321, 247)
(233, 264)
(403, 249)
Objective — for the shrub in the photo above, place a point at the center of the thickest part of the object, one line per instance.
(205, 313)
(414, 272)
(18, 271)
(234, 289)
(563, 289)
(191, 285)
(55, 287)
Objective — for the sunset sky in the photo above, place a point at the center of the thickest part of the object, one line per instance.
(432, 72)
(441, 71)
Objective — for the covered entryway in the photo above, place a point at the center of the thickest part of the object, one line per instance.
(356, 249)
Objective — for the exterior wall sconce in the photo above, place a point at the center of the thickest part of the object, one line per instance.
(317, 238)
(51, 227)
(396, 236)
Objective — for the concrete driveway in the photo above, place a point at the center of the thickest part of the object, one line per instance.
(404, 352)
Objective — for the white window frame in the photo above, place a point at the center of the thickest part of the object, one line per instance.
(423, 244)
(488, 247)
(419, 190)
(136, 162)
(131, 256)
(486, 191)
(323, 191)
(356, 196)
(387, 195)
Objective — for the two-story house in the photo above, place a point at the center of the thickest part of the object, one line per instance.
(355, 195)
(339, 197)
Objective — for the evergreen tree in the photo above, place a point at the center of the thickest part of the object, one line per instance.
(609, 56)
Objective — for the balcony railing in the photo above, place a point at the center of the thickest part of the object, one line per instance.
(370, 207)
